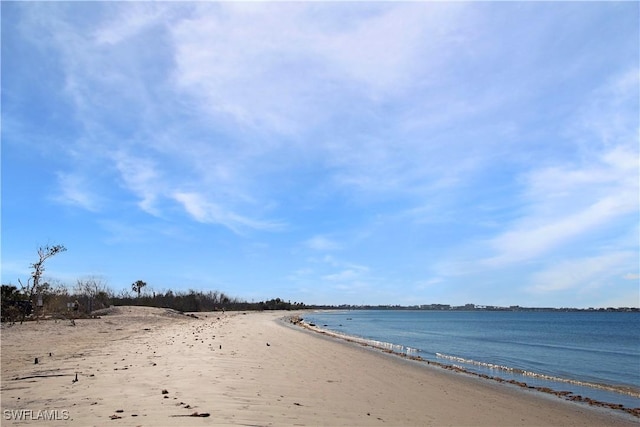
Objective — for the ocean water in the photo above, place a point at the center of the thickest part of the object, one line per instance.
(591, 354)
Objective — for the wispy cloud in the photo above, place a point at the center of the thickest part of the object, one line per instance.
(580, 274)
(142, 177)
(346, 276)
(287, 68)
(563, 202)
(123, 24)
(331, 272)
(322, 243)
(205, 211)
(250, 85)
(74, 190)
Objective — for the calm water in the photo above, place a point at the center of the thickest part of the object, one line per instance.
(594, 354)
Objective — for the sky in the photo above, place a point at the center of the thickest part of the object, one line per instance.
(327, 152)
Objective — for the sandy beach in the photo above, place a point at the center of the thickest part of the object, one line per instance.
(138, 366)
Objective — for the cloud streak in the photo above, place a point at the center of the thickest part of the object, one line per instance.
(203, 210)
(563, 203)
(74, 191)
(580, 274)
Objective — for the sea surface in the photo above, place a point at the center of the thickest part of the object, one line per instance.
(591, 354)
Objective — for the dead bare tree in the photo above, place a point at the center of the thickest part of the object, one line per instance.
(33, 285)
(94, 291)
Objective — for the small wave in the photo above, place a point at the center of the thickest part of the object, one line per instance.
(382, 345)
(509, 369)
(396, 348)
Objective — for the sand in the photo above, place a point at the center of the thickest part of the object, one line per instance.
(153, 367)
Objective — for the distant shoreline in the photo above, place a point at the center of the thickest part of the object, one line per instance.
(473, 307)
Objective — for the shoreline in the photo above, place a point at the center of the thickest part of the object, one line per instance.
(390, 349)
(140, 366)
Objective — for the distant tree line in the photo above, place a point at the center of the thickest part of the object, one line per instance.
(91, 293)
(38, 297)
(194, 301)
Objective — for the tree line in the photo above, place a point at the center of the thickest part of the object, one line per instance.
(90, 295)
(37, 297)
(194, 301)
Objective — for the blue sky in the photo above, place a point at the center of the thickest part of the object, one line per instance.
(361, 153)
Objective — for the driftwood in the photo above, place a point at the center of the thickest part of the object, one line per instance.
(195, 414)
(41, 376)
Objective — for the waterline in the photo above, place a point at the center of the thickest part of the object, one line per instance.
(565, 350)
(524, 373)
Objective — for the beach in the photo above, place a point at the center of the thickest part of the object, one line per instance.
(140, 366)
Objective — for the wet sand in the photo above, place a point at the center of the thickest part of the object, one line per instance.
(153, 367)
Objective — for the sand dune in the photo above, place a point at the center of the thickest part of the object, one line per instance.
(138, 366)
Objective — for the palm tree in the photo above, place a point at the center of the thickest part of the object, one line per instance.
(137, 286)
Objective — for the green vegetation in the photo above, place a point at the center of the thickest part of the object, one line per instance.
(39, 298)
(91, 293)
(194, 301)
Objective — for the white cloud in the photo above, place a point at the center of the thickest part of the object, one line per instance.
(74, 190)
(609, 116)
(128, 22)
(234, 64)
(322, 243)
(289, 67)
(348, 275)
(205, 211)
(249, 84)
(141, 176)
(300, 274)
(578, 274)
(379, 51)
(564, 202)
(535, 236)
